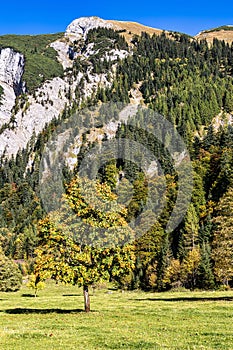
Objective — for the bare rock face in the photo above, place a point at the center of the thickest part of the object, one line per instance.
(6, 104)
(11, 71)
(81, 26)
(11, 68)
(62, 49)
(46, 104)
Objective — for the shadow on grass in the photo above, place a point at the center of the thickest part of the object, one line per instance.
(113, 289)
(17, 311)
(190, 299)
(64, 295)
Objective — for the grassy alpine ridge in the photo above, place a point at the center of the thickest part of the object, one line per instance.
(129, 320)
(226, 27)
(41, 60)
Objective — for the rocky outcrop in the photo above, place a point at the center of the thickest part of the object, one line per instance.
(11, 71)
(63, 49)
(77, 30)
(6, 104)
(45, 104)
(11, 68)
(80, 27)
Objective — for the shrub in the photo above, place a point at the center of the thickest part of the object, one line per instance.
(10, 275)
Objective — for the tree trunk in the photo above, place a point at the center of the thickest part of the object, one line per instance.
(87, 306)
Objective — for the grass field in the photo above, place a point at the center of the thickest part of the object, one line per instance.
(129, 320)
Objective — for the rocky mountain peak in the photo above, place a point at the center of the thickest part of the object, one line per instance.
(81, 26)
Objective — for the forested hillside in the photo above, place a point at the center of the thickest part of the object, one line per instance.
(190, 83)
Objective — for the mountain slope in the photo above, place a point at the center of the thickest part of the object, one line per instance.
(49, 88)
(221, 33)
(134, 28)
(45, 101)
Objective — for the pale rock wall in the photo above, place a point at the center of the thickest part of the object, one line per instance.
(11, 71)
(11, 68)
(80, 27)
(7, 103)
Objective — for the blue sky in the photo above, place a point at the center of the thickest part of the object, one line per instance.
(49, 16)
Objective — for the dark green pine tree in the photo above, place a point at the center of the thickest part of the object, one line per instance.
(205, 274)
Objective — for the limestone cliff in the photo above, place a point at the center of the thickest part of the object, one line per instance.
(11, 68)
(11, 71)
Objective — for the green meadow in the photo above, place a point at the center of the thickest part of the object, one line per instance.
(128, 320)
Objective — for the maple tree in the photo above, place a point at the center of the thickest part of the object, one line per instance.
(82, 243)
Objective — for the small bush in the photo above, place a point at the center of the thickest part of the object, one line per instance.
(10, 275)
(35, 283)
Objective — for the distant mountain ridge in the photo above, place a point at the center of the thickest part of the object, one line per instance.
(40, 75)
